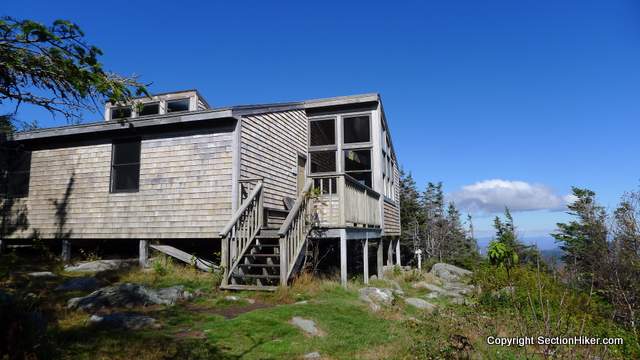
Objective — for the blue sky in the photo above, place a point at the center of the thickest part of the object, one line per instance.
(541, 92)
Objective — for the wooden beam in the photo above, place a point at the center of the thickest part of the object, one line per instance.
(390, 253)
(365, 259)
(66, 250)
(343, 258)
(380, 258)
(201, 264)
(143, 254)
(398, 252)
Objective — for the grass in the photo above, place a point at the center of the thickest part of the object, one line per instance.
(257, 326)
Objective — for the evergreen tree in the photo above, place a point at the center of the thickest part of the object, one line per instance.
(584, 240)
(409, 210)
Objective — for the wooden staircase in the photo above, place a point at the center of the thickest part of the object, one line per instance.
(258, 252)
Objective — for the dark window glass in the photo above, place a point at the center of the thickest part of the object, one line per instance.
(323, 161)
(125, 173)
(362, 177)
(121, 113)
(323, 132)
(17, 184)
(150, 109)
(356, 129)
(177, 105)
(357, 160)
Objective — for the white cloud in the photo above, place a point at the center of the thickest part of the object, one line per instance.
(491, 196)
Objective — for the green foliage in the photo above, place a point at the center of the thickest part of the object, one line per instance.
(60, 65)
(501, 254)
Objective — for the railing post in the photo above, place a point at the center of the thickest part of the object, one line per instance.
(284, 271)
(224, 259)
(341, 200)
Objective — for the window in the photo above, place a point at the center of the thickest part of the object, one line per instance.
(149, 109)
(177, 105)
(357, 164)
(123, 112)
(125, 166)
(323, 161)
(356, 129)
(322, 132)
(19, 166)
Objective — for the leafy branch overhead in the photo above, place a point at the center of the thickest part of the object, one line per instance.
(54, 68)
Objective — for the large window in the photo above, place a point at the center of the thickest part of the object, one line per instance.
(357, 163)
(356, 129)
(17, 182)
(125, 166)
(323, 161)
(322, 146)
(322, 132)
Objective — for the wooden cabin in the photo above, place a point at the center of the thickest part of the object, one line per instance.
(260, 180)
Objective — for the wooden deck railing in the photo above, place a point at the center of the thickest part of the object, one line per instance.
(344, 202)
(294, 230)
(241, 230)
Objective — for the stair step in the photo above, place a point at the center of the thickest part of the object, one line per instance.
(263, 255)
(267, 245)
(260, 265)
(251, 276)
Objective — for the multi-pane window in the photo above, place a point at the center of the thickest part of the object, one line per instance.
(122, 112)
(322, 146)
(177, 105)
(356, 129)
(18, 169)
(149, 109)
(357, 164)
(125, 166)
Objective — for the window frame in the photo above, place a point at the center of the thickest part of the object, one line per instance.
(11, 172)
(371, 163)
(166, 106)
(112, 177)
(116, 108)
(323, 148)
(335, 155)
(147, 104)
(359, 143)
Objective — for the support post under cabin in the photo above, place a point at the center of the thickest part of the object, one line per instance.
(365, 260)
(343, 257)
(1, 246)
(66, 250)
(398, 262)
(143, 253)
(390, 253)
(380, 259)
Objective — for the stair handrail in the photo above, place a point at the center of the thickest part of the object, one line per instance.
(293, 232)
(242, 230)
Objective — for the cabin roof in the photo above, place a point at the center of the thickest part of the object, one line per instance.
(193, 116)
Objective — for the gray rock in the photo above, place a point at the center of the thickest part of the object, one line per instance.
(42, 274)
(420, 304)
(373, 277)
(128, 321)
(312, 356)
(128, 295)
(449, 272)
(306, 325)
(441, 291)
(79, 284)
(432, 295)
(460, 301)
(231, 298)
(376, 297)
(459, 288)
(420, 285)
(101, 265)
